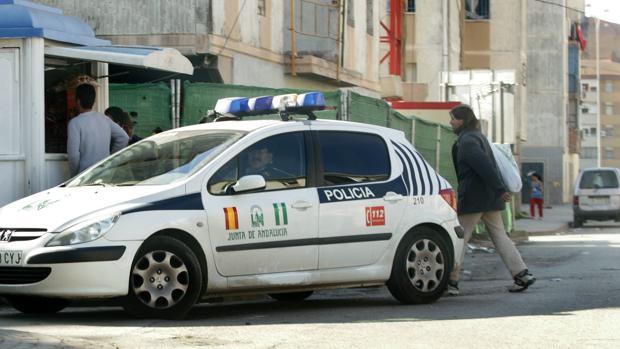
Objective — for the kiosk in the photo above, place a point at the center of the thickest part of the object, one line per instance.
(43, 56)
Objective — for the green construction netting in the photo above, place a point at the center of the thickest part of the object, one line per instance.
(400, 122)
(446, 167)
(425, 139)
(368, 110)
(199, 98)
(150, 101)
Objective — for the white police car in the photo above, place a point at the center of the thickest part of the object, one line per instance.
(236, 207)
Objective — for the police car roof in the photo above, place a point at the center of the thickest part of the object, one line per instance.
(253, 125)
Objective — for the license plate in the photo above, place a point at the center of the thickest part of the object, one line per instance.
(600, 201)
(11, 258)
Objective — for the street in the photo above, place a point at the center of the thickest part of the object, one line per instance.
(574, 304)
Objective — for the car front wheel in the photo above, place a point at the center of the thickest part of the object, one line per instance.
(421, 267)
(165, 280)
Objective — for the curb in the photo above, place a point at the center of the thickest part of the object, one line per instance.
(517, 234)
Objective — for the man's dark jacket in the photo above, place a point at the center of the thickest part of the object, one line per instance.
(480, 183)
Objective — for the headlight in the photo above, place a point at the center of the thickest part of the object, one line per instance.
(86, 231)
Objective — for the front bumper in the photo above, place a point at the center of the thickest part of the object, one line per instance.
(95, 271)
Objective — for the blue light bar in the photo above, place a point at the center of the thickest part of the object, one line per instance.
(258, 104)
(239, 106)
(311, 99)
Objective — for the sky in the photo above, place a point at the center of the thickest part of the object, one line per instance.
(608, 10)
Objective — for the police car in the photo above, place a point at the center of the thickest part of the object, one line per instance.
(279, 207)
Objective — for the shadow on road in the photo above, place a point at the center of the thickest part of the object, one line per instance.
(566, 284)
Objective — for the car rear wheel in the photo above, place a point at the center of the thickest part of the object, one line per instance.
(37, 305)
(291, 296)
(165, 280)
(421, 267)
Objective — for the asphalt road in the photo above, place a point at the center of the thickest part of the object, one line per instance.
(574, 304)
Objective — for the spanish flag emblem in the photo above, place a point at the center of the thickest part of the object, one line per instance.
(232, 219)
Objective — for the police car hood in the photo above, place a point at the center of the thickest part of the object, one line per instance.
(54, 208)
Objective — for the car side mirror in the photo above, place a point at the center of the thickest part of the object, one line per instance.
(248, 183)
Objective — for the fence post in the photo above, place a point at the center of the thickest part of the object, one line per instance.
(413, 119)
(438, 149)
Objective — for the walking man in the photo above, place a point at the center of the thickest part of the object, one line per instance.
(482, 195)
(91, 135)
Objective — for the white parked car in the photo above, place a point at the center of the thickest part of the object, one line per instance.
(597, 195)
(236, 207)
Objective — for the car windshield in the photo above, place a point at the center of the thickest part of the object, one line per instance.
(161, 159)
(598, 180)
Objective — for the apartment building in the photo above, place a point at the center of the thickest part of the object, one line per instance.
(608, 92)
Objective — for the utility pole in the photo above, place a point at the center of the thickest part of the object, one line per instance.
(293, 38)
(598, 95)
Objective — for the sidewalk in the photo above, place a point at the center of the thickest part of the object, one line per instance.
(556, 219)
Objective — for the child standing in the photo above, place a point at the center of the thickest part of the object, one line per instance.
(536, 195)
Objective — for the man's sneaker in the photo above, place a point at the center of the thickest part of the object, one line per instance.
(453, 288)
(523, 280)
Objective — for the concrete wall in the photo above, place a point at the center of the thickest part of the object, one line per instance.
(182, 24)
(547, 92)
(552, 159)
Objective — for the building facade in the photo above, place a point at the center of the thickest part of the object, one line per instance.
(250, 42)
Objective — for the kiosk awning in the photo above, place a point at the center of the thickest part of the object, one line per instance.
(166, 59)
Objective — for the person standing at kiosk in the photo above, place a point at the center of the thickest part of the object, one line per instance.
(91, 135)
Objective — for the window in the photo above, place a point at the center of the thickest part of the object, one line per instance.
(584, 87)
(370, 21)
(599, 179)
(477, 9)
(410, 6)
(158, 160)
(353, 158)
(608, 155)
(609, 86)
(588, 153)
(280, 159)
(593, 88)
(585, 131)
(262, 8)
(609, 109)
(585, 110)
(350, 13)
(608, 131)
(593, 131)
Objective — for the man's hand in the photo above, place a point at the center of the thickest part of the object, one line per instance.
(506, 197)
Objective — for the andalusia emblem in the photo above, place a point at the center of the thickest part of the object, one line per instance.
(280, 213)
(256, 217)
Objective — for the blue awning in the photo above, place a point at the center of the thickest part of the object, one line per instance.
(25, 19)
(167, 59)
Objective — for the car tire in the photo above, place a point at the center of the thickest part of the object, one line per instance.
(291, 296)
(37, 305)
(577, 222)
(165, 279)
(421, 267)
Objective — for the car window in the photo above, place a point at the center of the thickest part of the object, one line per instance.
(350, 157)
(280, 159)
(160, 159)
(598, 180)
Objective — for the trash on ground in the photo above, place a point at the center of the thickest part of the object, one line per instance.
(476, 248)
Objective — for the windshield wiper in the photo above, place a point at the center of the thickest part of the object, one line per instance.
(98, 184)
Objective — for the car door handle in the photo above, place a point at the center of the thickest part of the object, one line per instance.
(392, 197)
(301, 205)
